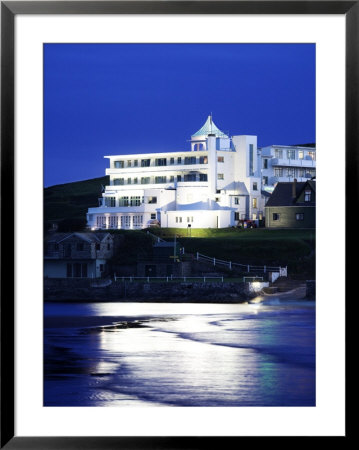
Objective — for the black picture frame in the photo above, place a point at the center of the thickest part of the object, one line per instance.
(9, 9)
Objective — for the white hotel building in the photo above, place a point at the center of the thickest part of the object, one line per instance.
(216, 183)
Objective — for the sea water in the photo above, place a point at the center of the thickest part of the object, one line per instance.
(166, 354)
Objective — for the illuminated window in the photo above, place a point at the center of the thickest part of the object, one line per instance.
(307, 195)
(254, 203)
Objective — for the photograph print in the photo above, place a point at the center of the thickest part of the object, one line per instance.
(179, 225)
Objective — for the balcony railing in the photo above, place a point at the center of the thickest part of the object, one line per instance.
(293, 162)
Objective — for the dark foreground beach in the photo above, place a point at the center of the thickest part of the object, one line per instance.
(161, 354)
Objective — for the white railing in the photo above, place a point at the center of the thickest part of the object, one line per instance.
(246, 267)
(167, 279)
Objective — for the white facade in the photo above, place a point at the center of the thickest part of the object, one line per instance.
(285, 163)
(214, 185)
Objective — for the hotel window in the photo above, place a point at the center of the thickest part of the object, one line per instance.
(203, 160)
(113, 224)
(278, 171)
(135, 180)
(251, 160)
(189, 219)
(135, 200)
(291, 154)
(179, 160)
(145, 162)
(255, 186)
(291, 172)
(265, 163)
(220, 176)
(299, 216)
(110, 201)
(276, 216)
(220, 159)
(307, 195)
(128, 180)
(300, 154)
(129, 163)
(172, 160)
(152, 199)
(178, 219)
(153, 216)
(254, 203)
(179, 178)
(190, 177)
(145, 180)
(119, 164)
(161, 162)
(190, 160)
(311, 155)
(236, 200)
(135, 163)
(123, 201)
(203, 177)
(310, 173)
(278, 153)
(159, 180)
(118, 181)
(172, 178)
(265, 181)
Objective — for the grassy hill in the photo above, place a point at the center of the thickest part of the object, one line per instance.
(71, 200)
(257, 246)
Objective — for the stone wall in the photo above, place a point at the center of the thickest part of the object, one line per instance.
(77, 290)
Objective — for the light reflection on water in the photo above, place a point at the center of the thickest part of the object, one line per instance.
(180, 355)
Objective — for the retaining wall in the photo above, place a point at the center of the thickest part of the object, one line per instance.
(77, 290)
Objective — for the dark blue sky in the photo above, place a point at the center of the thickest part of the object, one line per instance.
(103, 99)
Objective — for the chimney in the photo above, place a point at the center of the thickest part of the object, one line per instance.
(294, 188)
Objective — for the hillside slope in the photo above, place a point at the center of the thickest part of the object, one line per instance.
(71, 200)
